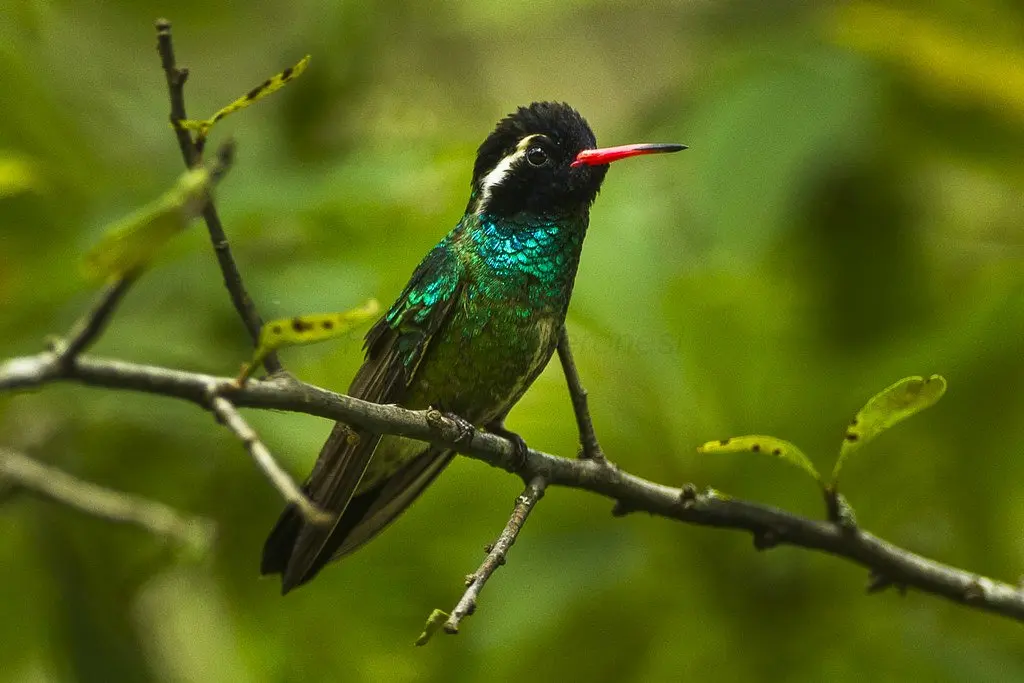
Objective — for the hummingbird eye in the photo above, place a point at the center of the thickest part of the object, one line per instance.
(537, 157)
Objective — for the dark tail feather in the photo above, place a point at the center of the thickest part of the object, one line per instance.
(365, 516)
(277, 551)
(278, 548)
(295, 548)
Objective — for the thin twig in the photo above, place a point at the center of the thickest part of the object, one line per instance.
(157, 518)
(769, 526)
(589, 447)
(89, 327)
(236, 288)
(176, 78)
(243, 303)
(233, 420)
(496, 553)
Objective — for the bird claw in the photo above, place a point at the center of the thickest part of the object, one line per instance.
(519, 447)
(464, 428)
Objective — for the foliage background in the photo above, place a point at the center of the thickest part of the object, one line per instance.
(849, 213)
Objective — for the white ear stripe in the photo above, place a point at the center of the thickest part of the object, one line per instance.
(496, 176)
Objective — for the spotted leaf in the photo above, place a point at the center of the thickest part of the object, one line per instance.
(306, 329)
(271, 85)
(893, 404)
(769, 445)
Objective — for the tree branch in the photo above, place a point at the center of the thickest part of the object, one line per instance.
(176, 78)
(115, 506)
(233, 420)
(496, 553)
(770, 526)
(589, 447)
(90, 326)
(192, 155)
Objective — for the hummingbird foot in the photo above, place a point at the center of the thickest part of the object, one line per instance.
(519, 447)
(462, 428)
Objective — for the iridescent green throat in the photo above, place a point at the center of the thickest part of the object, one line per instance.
(534, 254)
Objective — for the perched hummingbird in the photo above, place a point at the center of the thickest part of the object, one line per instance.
(468, 335)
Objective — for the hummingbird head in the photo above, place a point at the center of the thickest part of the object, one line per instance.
(543, 159)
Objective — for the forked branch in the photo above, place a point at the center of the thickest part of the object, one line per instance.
(769, 526)
(192, 155)
(888, 565)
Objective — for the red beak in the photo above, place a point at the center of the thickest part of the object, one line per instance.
(606, 155)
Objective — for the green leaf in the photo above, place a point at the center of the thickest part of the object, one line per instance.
(769, 445)
(893, 404)
(306, 329)
(433, 625)
(18, 174)
(272, 84)
(130, 243)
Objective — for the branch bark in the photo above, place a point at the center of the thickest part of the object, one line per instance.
(192, 155)
(91, 325)
(115, 506)
(589, 447)
(769, 526)
(496, 553)
(286, 486)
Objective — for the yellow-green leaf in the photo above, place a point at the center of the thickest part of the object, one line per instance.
(306, 329)
(433, 625)
(891, 405)
(130, 243)
(272, 84)
(18, 174)
(769, 445)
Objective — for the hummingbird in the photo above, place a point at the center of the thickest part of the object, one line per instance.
(471, 331)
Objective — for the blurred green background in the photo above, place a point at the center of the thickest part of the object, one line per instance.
(849, 213)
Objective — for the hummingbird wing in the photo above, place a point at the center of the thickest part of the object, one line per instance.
(395, 346)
